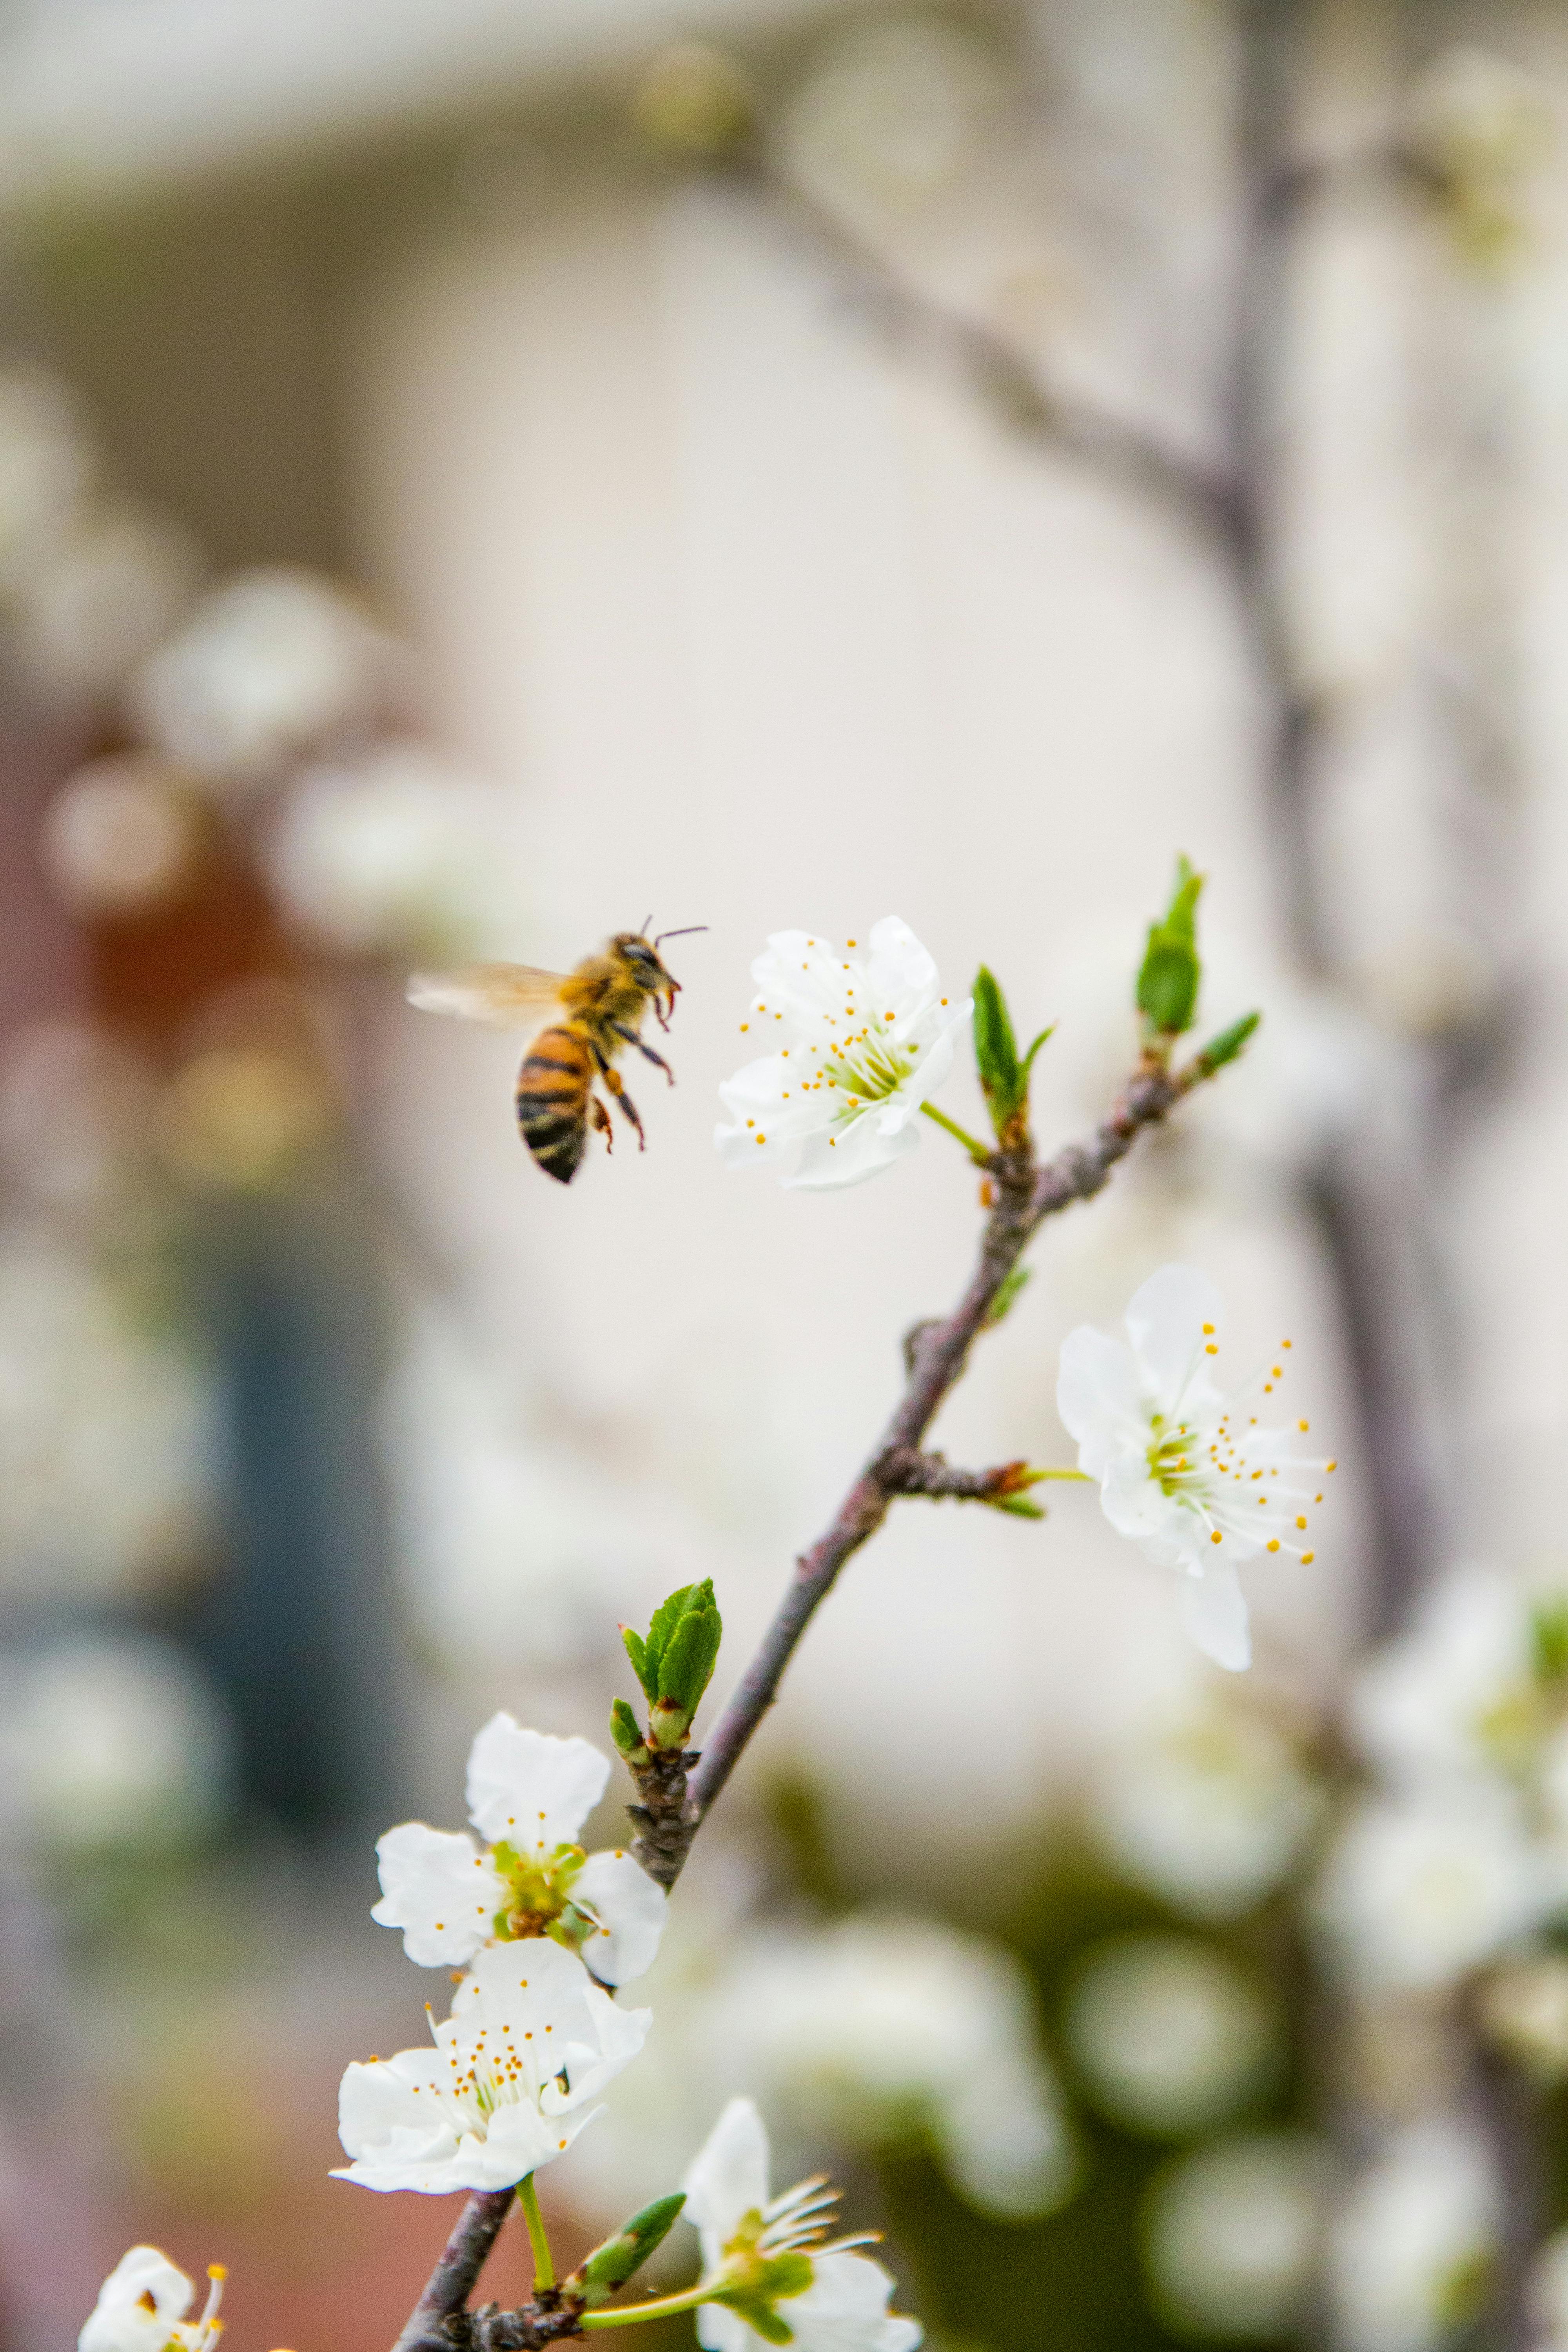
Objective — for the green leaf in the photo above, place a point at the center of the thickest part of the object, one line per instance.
(665, 1618)
(637, 1650)
(1168, 980)
(1006, 1297)
(1228, 1044)
(687, 1666)
(995, 1050)
(1028, 1062)
(1018, 1507)
(609, 2266)
(626, 1731)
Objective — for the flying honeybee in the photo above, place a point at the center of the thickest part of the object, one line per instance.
(600, 1009)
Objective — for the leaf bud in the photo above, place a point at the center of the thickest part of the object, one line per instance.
(1168, 980)
(627, 1733)
(675, 1663)
(609, 2266)
(1004, 1077)
(1228, 1044)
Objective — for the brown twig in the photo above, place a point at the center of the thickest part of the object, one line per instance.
(438, 2321)
(931, 1474)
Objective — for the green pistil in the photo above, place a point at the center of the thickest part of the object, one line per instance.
(870, 1076)
(1170, 1460)
(539, 1896)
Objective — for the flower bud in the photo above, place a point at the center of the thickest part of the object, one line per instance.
(609, 2266)
(1228, 1044)
(1168, 982)
(626, 1733)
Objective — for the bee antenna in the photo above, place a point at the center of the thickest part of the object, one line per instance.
(684, 933)
(643, 926)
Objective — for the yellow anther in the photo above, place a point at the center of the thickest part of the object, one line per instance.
(1208, 1330)
(1273, 1543)
(1215, 1536)
(1308, 1558)
(1301, 1523)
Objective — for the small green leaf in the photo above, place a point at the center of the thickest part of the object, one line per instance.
(1006, 1297)
(665, 1618)
(1028, 1062)
(1228, 1044)
(1018, 1507)
(637, 1650)
(1168, 980)
(626, 1731)
(609, 2266)
(687, 1667)
(995, 1050)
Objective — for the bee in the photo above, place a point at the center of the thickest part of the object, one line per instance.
(600, 1007)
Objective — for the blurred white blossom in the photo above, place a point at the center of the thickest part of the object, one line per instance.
(1414, 1894)
(1168, 2034)
(110, 1740)
(268, 665)
(75, 1106)
(108, 1431)
(1410, 2246)
(1233, 2234)
(1209, 1808)
(124, 833)
(1451, 1700)
(102, 596)
(394, 851)
(1523, 2008)
(1184, 1469)
(879, 2027)
(891, 113)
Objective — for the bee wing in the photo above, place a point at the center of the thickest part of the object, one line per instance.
(506, 995)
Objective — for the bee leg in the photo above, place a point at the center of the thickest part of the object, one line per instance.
(613, 1080)
(599, 1118)
(631, 1037)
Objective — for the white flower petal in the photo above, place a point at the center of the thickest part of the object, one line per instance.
(530, 1789)
(728, 2178)
(898, 968)
(1215, 1613)
(441, 1893)
(1165, 1323)
(121, 2322)
(630, 1908)
(845, 2309)
(1098, 1398)
(860, 1149)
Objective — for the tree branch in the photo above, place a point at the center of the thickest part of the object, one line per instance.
(937, 1353)
(676, 1790)
(931, 1474)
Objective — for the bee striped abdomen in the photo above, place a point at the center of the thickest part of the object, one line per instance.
(552, 1089)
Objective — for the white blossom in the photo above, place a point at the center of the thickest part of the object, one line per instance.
(856, 1042)
(141, 2308)
(1233, 2235)
(1460, 1697)
(1182, 1469)
(1546, 2296)
(1408, 2250)
(102, 596)
(1168, 2034)
(530, 2038)
(1416, 1893)
(529, 1794)
(393, 850)
(879, 2026)
(265, 666)
(764, 2251)
(1209, 1808)
(110, 1740)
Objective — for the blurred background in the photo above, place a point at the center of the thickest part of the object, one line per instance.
(471, 474)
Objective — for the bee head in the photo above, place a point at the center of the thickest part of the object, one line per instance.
(642, 954)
